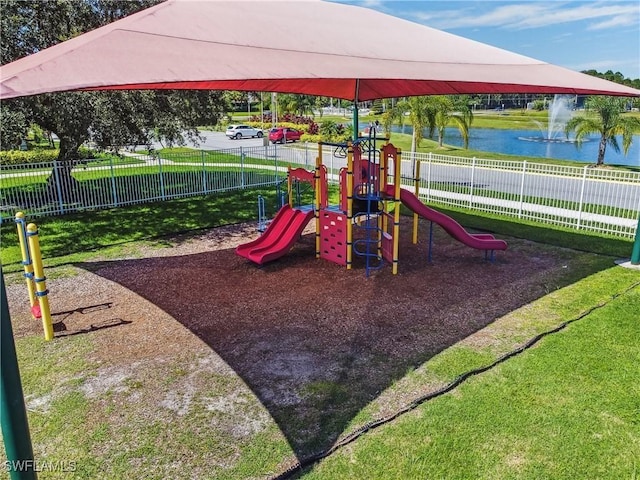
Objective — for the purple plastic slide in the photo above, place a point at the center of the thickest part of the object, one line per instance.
(481, 241)
(283, 231)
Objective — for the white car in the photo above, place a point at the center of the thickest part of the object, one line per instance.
(236, 132)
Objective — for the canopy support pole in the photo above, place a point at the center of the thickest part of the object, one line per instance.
(356, 122)
(15, 427)
(635, 254)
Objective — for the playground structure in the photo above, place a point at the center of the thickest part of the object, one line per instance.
(34, 273)
(366, 222)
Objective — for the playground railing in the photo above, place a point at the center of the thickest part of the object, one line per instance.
(584, 198)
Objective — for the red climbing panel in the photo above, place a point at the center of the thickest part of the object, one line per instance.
(333, 237)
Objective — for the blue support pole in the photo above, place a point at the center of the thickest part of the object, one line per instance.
(262, 216)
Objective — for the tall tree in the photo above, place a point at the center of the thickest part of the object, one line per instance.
(619, 78)
(452, 110)
(421, 115)
(319, 103)
(109, 119)
(435, 113)
(296, 103)
(605, 117)
(393, 113)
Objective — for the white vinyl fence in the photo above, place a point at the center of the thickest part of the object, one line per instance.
(590, 199)
(586, 198)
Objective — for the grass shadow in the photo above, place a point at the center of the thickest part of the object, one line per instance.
(317, 343)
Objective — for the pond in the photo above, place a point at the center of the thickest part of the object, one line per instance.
(530, 143)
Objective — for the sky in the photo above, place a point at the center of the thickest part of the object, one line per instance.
(583, 35)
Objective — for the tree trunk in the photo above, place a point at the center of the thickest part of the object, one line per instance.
(602, 147)
(61, 186)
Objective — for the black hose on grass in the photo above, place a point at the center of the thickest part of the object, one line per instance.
(309, 461)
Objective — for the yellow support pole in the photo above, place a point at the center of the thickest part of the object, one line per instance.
(416, 191)
(26, 258)
(40, 280)
(317, 193)
(396, 213)
(349, 205)
(290, 186)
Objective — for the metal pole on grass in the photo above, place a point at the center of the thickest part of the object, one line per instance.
(635, 254)
(15, 428)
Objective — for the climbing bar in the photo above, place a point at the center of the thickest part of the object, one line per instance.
(26, 259)
(40, 281)
(349, 205)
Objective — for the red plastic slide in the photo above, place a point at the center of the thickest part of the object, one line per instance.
(283, 231)
(481, 241)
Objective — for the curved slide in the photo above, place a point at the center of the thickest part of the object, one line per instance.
(283, 231)
(480, 241)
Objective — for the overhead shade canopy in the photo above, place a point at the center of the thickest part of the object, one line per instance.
(311, 47)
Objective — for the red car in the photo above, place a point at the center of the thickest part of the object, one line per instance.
(283, 135)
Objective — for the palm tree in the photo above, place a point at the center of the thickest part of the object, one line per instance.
(608, 122)
(295, 103)
(393, 113)
(452, 110)
(421, 115)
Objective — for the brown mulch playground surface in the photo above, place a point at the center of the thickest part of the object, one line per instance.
(298, 321)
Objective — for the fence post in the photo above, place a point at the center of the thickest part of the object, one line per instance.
(242, 182)
(580, 204)
(332, 166)
(430, 160)
(162, 193)
(473, 174)
(56, 177)
(204, 173)
(114, 190)
(522, 182)
(306, 155)
(275, 164)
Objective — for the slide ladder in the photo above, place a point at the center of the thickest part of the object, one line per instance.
(367, 200)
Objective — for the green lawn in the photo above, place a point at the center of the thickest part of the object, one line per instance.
(569, 408)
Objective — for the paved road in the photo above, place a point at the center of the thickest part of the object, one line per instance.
(567, 189)
(219, 141)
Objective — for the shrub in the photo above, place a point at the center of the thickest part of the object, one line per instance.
(311, 138)
(39, 155)
(19, 157)
(300, 122)
(538, 105)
